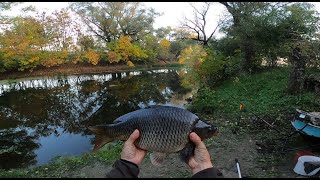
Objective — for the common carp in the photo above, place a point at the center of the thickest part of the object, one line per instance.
(163, 130)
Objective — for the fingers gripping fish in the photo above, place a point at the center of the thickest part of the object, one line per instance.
(163, 130)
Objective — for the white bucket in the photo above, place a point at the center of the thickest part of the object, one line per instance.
(300, 167)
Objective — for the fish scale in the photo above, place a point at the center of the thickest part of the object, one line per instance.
(163, 129)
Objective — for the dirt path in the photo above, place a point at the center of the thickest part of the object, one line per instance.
(223, 150)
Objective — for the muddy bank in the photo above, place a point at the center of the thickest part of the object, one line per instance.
(74, 69)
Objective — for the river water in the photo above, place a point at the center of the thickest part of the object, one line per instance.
(43, 118)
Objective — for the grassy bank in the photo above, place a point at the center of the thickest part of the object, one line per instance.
(264, 97)
(62, 166)
(263, 94)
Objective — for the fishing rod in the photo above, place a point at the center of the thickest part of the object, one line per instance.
(238, 168)
(242, 108)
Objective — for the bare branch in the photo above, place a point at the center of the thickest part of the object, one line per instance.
(214, 30)
(199, 22)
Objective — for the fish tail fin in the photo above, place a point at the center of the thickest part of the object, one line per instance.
(101, 137)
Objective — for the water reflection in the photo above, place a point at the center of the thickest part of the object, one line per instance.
(44, 118)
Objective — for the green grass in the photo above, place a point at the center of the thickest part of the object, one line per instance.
(263, 94)
(265, 99)
(60, 166)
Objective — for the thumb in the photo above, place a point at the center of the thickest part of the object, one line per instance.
(197, 140)
(133, 136)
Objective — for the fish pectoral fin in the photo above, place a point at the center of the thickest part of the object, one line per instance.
(187, 152)
(100, 141)
(101, 138)
(157, 158)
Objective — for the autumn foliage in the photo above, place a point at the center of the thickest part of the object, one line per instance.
(46, 40)
(123, 50)
(21, 47)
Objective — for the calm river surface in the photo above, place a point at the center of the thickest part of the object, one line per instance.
(42, 118)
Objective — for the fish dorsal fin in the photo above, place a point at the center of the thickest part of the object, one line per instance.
(157, 158)
(154, 106)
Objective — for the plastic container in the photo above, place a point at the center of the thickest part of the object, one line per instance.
(300, 167)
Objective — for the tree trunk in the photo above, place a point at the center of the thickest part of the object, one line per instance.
(246, 45)
(296, 77)
(249, 54)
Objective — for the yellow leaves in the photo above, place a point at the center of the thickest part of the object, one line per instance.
(137, 52)
(164, 47)
(21, 43)
(92, 57)
(130, 64)
(193, 36)
(64, 54)
(124, 50)
(53, 58)
(192, 56)
(164, 44)
(186, 53)
(77, 59)
(113, 57)
(123, 42)
(51, 62)
(34, 59)
(89, 56)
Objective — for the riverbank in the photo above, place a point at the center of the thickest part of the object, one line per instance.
(74, 69)
(243, 135)
(223, 149)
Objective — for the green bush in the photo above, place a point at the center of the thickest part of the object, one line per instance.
(216, 68)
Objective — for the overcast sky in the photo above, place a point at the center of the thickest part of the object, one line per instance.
(173, 11)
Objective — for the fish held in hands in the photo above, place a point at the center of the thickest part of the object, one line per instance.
(163, 130)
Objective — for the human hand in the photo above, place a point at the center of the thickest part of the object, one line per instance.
(132, 153)
(201, 158)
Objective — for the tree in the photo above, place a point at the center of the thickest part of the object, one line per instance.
(164, 50)
(300, 24)
(110, 20)
(22, 44)
(85, 42)
(242, 28)
(150, 45)
(271, 30)
(124, 50)
(180, 39)
(164, 32)
(62, 28)
(199, 24)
